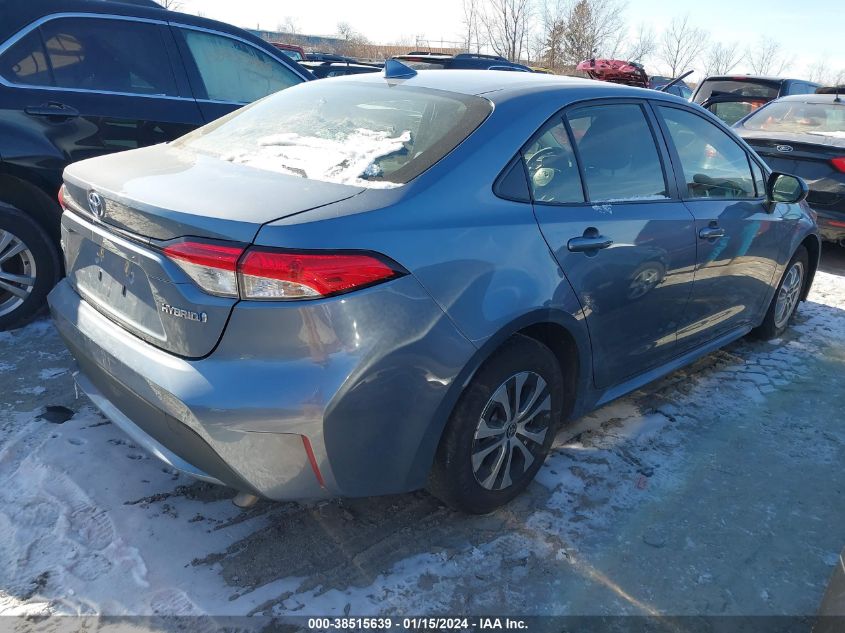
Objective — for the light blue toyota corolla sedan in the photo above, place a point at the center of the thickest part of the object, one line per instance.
(380, 283)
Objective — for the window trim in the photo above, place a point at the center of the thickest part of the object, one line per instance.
(683, 189)
(26, 30)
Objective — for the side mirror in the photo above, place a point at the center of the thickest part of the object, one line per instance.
(786, 188)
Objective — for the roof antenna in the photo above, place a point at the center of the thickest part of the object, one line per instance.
(394, 69)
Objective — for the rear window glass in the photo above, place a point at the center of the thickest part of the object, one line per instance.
(736, 88)
(827, 119)
(367, 134)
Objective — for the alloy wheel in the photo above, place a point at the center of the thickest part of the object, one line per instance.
(17, 272)
(789, 294)
(511, 430)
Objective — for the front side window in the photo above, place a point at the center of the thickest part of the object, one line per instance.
(234, 71)
(25, 62)
(108, 55)
(362, 134)
(618, 154)
(552, 171)
(714, 165)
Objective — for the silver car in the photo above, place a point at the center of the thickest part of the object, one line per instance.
(374, 284)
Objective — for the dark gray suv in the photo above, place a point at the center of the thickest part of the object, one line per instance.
(373, 284)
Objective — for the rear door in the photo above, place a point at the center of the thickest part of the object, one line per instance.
(608, 209)
(227, 72)
(84, 85)
(739, 240)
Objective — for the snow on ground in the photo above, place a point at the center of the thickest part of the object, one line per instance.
(717, 490)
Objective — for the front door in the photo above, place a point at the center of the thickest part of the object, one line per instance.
(739, 240)
(625, 243)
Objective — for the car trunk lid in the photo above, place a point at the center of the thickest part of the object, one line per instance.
(114, 234)
(807, 156)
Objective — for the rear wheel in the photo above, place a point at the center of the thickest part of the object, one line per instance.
(787, 297)
(501, 429)
(29, 267)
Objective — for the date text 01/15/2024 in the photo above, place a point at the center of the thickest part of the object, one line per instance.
(416, 624)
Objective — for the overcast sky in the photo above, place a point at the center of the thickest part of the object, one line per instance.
(808, 30)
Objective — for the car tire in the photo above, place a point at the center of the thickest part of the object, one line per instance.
(787, 296)
(491, 450)
(26, 253)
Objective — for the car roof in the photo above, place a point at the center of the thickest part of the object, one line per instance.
(17, 14)
(811, 97)
(499, 85)
(754, 78)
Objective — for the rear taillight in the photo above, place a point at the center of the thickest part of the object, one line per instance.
(839, 163)
(271, 275)
(61, 197)
(212, 266)
(227, 270)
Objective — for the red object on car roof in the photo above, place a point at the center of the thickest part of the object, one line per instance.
(615, 70)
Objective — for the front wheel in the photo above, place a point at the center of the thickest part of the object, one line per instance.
(787, 297)
(501, 429)
(29, 267)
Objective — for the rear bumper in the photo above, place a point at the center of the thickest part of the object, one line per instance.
(352, 376)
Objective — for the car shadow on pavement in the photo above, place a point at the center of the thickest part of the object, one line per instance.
(833, 259)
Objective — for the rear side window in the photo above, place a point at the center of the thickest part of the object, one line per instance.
(234, 71)
(552, 170)
(363, 134)
(26, 62)
(618, 154)
(714, 165)
(108, 55)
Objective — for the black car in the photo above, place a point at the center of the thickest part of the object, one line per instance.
(82, 78)
(421, 60)
(322, 70)
(732, 97)
(805, 135)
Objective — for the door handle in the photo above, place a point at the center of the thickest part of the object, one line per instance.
(711, 233)
(590, 241)
(52, 109)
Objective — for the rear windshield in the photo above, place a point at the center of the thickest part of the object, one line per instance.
(799, 118)
(736, 88)
(364, 134)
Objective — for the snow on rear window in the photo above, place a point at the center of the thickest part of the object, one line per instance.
(360, 134)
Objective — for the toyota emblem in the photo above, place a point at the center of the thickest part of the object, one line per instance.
(96, 204)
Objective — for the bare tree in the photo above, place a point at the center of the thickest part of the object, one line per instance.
(505, 23)
(472, 25)
(819, 73)
(681, 45)
(354, 43)
(721, 59)
(288, 25)
(766, 58)
(592, 30)
(171, 5)
(642, 45)
(553, 23)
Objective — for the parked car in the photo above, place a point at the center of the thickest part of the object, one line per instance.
(322, 70)
(373, 284)
(630, 74)
(93, 77)
(805, 135)
(680, 88)
(317, 56)
(421, 60)
(296, 53)
(732, 97)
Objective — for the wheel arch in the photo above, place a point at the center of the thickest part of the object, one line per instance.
(814, 248)
(563, 333)
(32, 199)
